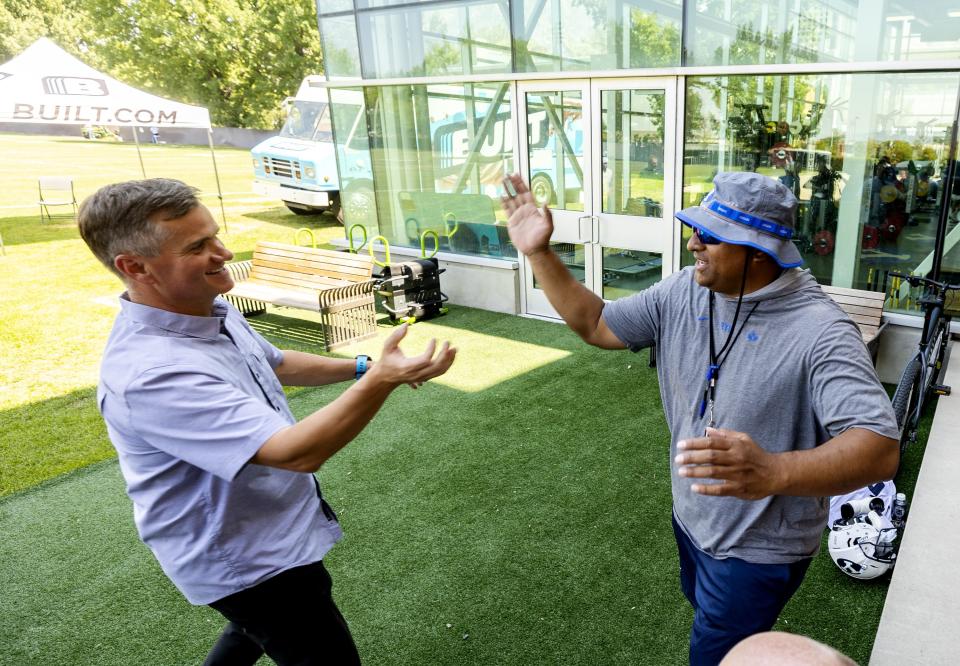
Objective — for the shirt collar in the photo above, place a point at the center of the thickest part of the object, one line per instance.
(189, 325)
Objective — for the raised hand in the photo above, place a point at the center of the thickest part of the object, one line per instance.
(529, 227)
(741, 466)
(393, 367)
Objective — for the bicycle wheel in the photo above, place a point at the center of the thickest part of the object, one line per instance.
(905, 400)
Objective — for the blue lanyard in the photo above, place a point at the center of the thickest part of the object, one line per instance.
(713, 369)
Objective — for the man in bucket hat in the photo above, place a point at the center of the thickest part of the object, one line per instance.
(769, 392)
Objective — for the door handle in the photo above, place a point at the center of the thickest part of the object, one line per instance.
(590, 235)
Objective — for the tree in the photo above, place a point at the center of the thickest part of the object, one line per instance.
(239, 59)
(22, 22)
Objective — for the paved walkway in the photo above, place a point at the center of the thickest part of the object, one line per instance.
(921, 616)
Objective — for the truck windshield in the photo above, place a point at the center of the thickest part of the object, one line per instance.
(309, 121)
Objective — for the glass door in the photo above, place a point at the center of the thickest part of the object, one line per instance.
(634, 130)
(555, 158)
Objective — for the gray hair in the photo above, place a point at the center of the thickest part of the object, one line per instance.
(122, 218)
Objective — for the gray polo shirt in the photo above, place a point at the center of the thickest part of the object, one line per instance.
(798, 376)
(186, 407)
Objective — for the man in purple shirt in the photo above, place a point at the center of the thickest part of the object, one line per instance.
(219, 471)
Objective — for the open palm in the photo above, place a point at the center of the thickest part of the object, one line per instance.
(529, 227)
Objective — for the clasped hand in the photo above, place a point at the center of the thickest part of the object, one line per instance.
(742, 468)
(395, 368)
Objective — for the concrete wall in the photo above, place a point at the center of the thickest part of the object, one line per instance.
(235, 137)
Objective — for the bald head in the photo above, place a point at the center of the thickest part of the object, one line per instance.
(783, 649)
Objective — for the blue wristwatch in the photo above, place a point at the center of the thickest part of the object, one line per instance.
(363, 363)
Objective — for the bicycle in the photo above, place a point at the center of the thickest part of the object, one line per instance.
(921, 378)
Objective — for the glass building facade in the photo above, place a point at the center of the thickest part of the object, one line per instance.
(619, 113)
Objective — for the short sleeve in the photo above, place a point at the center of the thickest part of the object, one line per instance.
(635, 319)
(846, 391)
(200, 419)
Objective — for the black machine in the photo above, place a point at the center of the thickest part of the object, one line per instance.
(411, 290)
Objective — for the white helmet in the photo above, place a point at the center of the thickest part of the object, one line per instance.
(863, 548)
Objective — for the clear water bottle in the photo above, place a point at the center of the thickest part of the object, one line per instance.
(898, 513)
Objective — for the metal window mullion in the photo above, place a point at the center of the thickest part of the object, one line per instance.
(876, 67)
(944, 217)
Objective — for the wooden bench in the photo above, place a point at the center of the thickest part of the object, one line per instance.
(338, 285)
(866, 309)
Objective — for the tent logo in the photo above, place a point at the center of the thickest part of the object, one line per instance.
(73, 85)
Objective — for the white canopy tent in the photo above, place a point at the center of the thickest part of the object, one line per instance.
(47, 85)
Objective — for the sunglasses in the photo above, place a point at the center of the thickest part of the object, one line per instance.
(705, 237)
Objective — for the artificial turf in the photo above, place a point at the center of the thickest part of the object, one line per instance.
(523, 500)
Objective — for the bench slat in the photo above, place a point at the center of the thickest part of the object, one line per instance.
(314, 283)
(345, 261)
(872, 313)
(312, 263)
(299, 252)
(338, 285)
(276, 268)
(865, 308)
(846, 302)
(834, 292)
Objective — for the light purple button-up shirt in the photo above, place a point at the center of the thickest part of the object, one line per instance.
(186, 407)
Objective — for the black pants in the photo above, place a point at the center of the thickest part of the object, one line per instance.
(290, 617)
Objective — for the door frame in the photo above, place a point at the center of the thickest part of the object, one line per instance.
(576, 227)
(588, 230)
(613, 230)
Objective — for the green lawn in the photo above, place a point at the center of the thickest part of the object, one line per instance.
(523, 499)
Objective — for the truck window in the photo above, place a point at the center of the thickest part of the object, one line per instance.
(309, 121)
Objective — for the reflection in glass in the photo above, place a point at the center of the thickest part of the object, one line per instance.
(435, 39)
(438, 155)
(576, 35)
(626, 272)
(357, 202)
(631, 136)
(555, 148)
(334, 6)
(755, 32)
(341, 51)
(950, 268)
(865, 154)
(573, 257)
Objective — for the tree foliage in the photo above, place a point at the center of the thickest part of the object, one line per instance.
(238, 58)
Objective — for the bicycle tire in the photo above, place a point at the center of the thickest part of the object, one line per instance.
(905, 400)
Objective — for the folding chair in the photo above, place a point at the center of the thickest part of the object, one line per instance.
(56, 191)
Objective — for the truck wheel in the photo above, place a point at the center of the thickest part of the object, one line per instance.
(298, 209)
(542, 189)
(358, 204)
(335, 209)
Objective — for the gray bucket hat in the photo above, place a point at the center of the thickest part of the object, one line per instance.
(747, 208)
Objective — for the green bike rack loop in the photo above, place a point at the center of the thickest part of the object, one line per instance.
(447, 219)
(423, 243)
(357, 249)
(313, 239)
(386, 251)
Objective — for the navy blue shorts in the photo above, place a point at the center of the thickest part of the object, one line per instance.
(731, 598)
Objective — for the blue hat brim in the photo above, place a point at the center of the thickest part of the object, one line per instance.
(784, 252)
